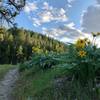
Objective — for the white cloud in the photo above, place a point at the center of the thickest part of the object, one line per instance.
(65, 33)
(59, 15)
(98, 1)
(36, 22)
(91, 19)
(45, 13)
(71, 25)
(70, 1)
(46, 6)
(62, 11)
(46, 16)
(30, 7)
(66, 40)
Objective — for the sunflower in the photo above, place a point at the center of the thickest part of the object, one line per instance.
(82, 53)
(80, 43)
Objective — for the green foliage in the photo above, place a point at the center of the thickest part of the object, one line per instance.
(38, 85)
(46, 61)
(41, 61)
(24, 66)
(82, 62)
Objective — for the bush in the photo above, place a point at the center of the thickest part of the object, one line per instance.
(82, 60)
(44, 61)
(40, 61)
(24, 66)
(84, 63)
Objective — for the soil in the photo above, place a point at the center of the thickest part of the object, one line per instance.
(7, 84)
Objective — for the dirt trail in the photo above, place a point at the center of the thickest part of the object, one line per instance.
(7, 84)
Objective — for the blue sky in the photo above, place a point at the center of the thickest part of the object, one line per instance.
(60, 19)
(74, 12)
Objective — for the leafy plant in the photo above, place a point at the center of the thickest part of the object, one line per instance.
(84, 59)
(44, 61)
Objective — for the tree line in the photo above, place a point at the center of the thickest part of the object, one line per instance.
(17, 45)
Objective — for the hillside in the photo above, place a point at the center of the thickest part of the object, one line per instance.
(17, 45)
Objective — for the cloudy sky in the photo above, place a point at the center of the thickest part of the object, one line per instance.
(65, 20)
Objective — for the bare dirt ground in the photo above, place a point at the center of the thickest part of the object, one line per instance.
(7, 84)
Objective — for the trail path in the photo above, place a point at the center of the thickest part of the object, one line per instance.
(7, 84)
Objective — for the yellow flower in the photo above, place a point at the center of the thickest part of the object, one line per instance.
(80, 43)
(82, 53)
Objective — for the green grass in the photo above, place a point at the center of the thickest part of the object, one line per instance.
(37, 85)
(4, 69)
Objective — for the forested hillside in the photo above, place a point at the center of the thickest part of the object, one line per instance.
(17, 45)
